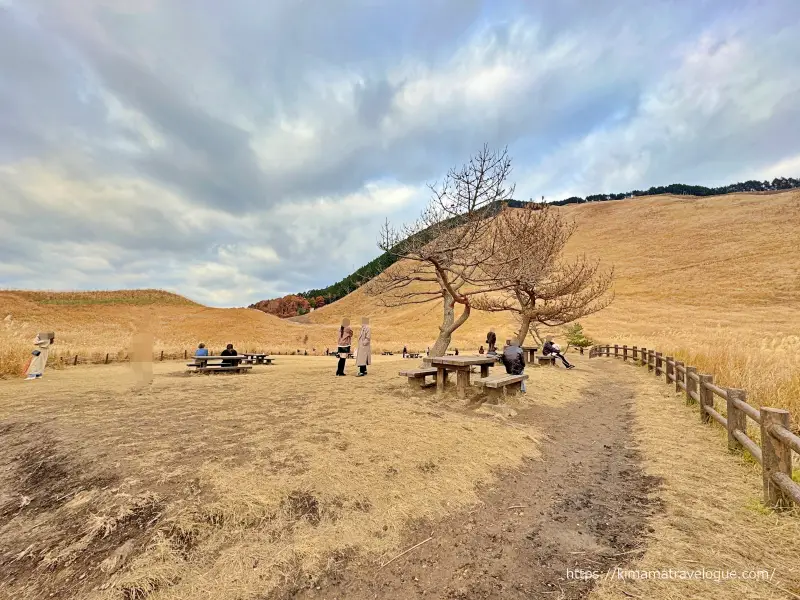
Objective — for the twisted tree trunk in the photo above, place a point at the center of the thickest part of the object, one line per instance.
(449, 324)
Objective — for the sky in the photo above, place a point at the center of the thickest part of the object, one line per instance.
(242, 150)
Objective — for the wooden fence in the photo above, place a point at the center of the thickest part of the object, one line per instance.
(777, 440)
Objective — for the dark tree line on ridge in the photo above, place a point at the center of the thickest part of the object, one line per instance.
(373, 268)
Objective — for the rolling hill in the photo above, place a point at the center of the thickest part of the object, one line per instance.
(714, 276)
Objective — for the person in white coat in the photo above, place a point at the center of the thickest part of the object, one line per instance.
(38, 362)
(364, 356)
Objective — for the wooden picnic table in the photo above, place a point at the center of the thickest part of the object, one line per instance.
(461, 364)
(530, 354)
(257, 357)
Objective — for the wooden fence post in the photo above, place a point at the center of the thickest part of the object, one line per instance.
(706, 396)
(678, 375)
(776, 456)
(75, 362)
(737, 419)
(670, 369)
(106, 357)
(616, 351)
(608, 350)
(625, 352)
(642, 357)
(659, 364)
(634, 354)
(691, 384)
(162, 355)
(651, 360)
(185, 355)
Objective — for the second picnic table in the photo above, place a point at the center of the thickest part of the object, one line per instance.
(461, 365)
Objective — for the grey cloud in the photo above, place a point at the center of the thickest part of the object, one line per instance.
(206, 75)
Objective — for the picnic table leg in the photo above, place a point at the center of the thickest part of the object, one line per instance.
(484, 370)
(462, 382)
(441, 379)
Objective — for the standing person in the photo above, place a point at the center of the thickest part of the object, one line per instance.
(514, 360)
(491, 340)
(229, 351)
(345, 339)
(405, 351)
(456, 352)
(38, 362)
(554, 349)
(364, 357)
(428, 351)
(201, 350)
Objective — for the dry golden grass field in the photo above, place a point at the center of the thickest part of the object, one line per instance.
(715, 280)
(270, 484)
(287, 479)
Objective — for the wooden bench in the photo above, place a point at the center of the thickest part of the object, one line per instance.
(544, 360)
(498, 387)
(416, 377)
(219, 368)
(201, 364)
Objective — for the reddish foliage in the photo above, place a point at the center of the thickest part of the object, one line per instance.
(288, 306)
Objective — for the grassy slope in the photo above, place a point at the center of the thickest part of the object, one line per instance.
(713, 277)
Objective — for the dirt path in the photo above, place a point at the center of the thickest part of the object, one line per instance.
(585, 505)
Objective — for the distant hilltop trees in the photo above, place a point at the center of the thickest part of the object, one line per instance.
(299, 304)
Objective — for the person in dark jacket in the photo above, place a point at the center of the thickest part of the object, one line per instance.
(491, 340)
(229, 351)
(550, 348)
(343, 345)
(514, 360)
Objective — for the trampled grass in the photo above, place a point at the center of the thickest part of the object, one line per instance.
(242, 487)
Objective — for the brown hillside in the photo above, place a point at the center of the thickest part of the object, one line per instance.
(716, 276)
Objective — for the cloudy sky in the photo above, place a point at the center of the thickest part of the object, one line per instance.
(234, 151)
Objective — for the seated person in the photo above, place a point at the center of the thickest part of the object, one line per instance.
(550, 348)
(481, 350)
(514, 360)
(201, 350)
(229, 351)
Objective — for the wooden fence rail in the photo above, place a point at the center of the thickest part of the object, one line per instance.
(777, 440)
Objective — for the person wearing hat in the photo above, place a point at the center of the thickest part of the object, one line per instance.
(38, 361)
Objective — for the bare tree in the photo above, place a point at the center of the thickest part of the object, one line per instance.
(443, 251)
(534, 280)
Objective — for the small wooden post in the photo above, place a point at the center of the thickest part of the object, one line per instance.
(776, 457)
(162, 355)
(106, 357)
(616, 351)
(634, 354)
(678, 375)
(670, 369)
(625, 352)
(659, 364)
(185, 355)
(642, 357)
(691, 384)
(75, 362)
(706, 396)
(651, 360)
(737, 419)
